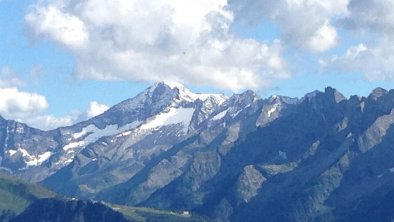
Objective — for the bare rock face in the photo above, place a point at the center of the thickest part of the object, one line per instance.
(249, 183)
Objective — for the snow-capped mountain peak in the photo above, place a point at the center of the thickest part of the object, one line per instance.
(161, 115)
(173, 84)
(185, 95)
(164, 94)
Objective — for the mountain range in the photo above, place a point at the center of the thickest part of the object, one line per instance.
(323, 157)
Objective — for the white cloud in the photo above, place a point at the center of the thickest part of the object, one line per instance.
(176, 40)
(26, 107)
(30, 108)
(302, 23)
(95, 109)
(9, 78)
(373, 22)
(48, 122)
(323, 39)
(376, 63)
(62, 27)
(15, 104)
(371, 15)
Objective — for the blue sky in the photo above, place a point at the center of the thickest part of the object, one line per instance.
(64, 61)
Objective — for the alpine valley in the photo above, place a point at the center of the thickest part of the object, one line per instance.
(323, 157)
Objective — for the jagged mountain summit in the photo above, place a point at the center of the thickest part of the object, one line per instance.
(321, 157)
(26, 149)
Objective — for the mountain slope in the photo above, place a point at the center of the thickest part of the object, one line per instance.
(21, 201)
(318, 160)
(188, 165)
(34, 154)
(160, 117)
(318, 163)
(68, 211)
(88, 211)
(16, 195)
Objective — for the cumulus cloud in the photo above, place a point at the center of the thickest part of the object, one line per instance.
(30, 108)
(178, 40)
(304, 24)
(95, 109)
(26, 107)
(373, 21)
(48, 122)
(62, 27)
(376, 63)
(370, 15)
(15, 104)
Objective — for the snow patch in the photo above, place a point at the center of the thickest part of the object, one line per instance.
(31, 160)
(187, 95)
(92, 133)
(123, 134)
(97, 133)
(220, 115)
(129, 126)
(272, 110)
(11, 152)
(174, 85)
(73, 145)
(43, 157)
(24, 152)
(64, 161)
(173, 116)
(84, 131)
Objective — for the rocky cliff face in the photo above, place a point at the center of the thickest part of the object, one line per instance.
(329, 160)
(323, 157)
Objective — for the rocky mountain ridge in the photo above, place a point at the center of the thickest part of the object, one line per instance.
(236, 158)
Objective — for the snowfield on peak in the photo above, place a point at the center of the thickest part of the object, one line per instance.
(186, 95)
(220, 115)
(173, 84)
(172, 116)
(91, 134)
